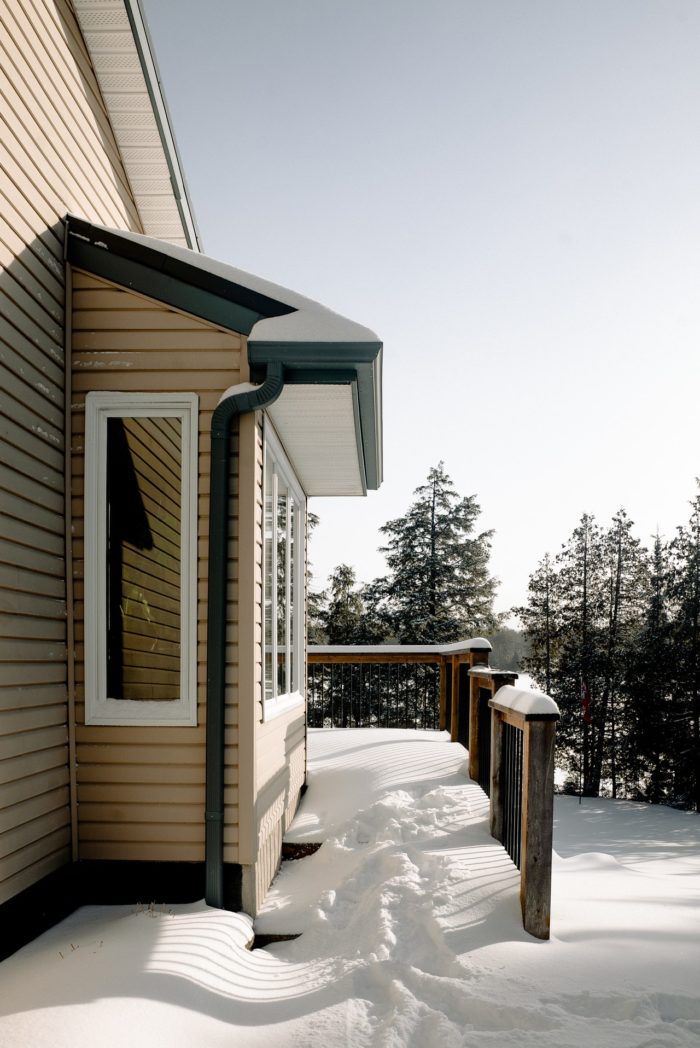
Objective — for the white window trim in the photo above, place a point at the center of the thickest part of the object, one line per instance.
(279, 704)
(99, 707)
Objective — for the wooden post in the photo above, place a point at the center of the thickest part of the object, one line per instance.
(473, 727)
(454, 726)
(537, 825)
(443, 693)
(535, 715)
(481, 676)
(496, 805)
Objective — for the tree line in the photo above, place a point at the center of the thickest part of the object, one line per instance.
(614, 637)
(611, 632)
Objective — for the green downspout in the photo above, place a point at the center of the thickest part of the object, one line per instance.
(227, 411)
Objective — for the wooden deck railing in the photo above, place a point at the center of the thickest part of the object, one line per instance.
(393, 685)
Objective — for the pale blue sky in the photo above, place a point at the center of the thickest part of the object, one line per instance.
(509, 194)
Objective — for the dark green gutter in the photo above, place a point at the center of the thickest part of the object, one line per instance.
(224, 416)
(156, 270)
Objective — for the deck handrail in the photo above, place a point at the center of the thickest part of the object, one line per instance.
(451, 659)
(315, 651)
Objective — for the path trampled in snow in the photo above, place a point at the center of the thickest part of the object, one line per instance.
(411, 930)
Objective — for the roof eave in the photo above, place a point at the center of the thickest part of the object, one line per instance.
(331, 363)
(205, 288)
(130, 87)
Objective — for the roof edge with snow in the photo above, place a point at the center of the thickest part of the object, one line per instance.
(334, 441)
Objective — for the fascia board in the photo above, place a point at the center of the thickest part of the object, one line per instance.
(313, 354)
(185, 283)
(146, 53)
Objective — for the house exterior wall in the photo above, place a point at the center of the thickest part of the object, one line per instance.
(57, 154)
(141, 788)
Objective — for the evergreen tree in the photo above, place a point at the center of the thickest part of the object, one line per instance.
(347, 614)
(540, 623)
(342, 615)
(315, 599)
(577, 673)
(626, 598)
(582, 619)
(438, 587)
(376, 621)
(685, 589)
(650, 671)
(509, 649)
(315, 605)
(609, 620)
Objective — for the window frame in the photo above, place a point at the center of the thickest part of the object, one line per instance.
(99, 707)
(276, 461)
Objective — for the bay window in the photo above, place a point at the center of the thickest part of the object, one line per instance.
(283, 574)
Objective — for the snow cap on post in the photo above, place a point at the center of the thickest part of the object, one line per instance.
(530, 704)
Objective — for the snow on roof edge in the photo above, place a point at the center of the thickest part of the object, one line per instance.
(310, 322)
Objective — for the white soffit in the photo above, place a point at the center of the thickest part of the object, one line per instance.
(111, 43)
(316, 424)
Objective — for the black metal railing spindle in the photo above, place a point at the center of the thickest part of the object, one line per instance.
(512, 790)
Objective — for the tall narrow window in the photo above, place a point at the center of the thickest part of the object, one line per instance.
(140, 525)
(283, 569)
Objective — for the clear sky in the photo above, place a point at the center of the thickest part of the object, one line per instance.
(508, 192)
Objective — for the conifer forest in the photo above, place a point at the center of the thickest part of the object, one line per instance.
(611, 630)
(614, 637)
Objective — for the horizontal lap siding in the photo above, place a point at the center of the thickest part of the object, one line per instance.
(57, 155)
(141, 789)
(280, 765)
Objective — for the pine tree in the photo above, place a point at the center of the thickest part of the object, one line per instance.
(582, 617)
(342, 615)
(685, 588)
(315, 599)
(626, 597)
(623, 624)
(650, 674)
(438, 587)
(578, 669)
(540, 623)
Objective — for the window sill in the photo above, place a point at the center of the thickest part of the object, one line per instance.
(273, 708)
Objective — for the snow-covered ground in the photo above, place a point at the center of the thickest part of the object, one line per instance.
(411, 930)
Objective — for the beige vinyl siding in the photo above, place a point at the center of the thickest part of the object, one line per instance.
(55, 116)
(141, 789)
(280, 764)
(57, 154)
